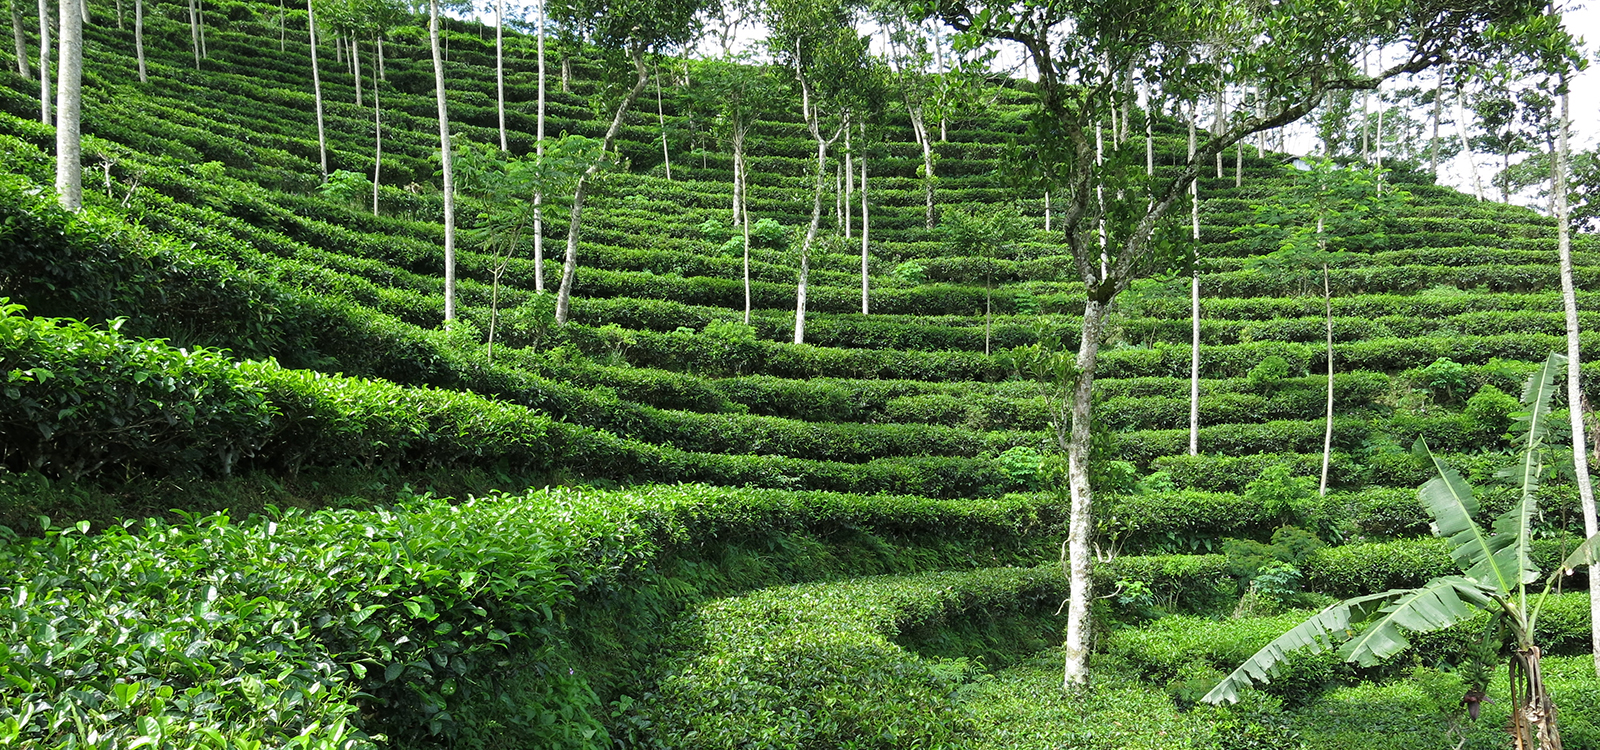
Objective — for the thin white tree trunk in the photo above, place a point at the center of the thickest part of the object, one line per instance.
(811, 237)
(924, 139)
(69, 104)
(1327, 433)
(200, 24)
(1433, 143)
(569, 267)
(661, 121)
(44, 62)
(355, 63)
(21, 41)
(194, 33)
(1366, 106)
(138, 38)
(1047, 210)
(377, 135)
(1472, 159)
(500, 67)
(1079, 525)
(316, 86)
(849, 180)
(866, 226)
(1194, 306)
(538, 148)
(1238, 164)
(741, 212)
(283, 29)
(1575, 401)
(447, 162)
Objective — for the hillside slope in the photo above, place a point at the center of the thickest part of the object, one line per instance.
(273, 336)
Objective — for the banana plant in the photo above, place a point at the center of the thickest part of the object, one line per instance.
(1497, 574)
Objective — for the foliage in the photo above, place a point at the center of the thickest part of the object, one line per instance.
(1497, 570)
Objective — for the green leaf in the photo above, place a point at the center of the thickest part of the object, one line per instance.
(1586, 554)
(1438, 604)
(1449, 499)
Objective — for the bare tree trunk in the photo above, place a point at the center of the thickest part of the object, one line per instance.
(1327, 434)
(661, 120)
(119, 13)
(69, 105)
(1047, 210)
(569, 268)
(925, 140)
(377, 135)
(811, 236)
(538, 147)
(316, 85)
(194, 33)
(200, 24)
(500, 67)
(849, 180)
(866, 226)
(1238, 165)
(44, 62)
(283, 29)
(566, 74)
(1569, 304)
(1079, 526)
(138, 38)
(1194, 306)
(1366, 105)
(21, 41)
(741, 212)
(1472, 160)
(447, 162)
(1433, 142)
(355, 62)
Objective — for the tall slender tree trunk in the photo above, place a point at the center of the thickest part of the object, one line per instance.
(355, 63)
(21, 41)
(566, 74)
(538, 148)
(447, 162)
(811, 236)
(1194, 305)
(1575, 400)
(316, 87)
(924, 139)
(1047, 211)
(661, 120)
(866, 225)
(138, 38)
(200, 24)
(44, 62)
(1366, 106)
(569, 267)
(849, 180)
(194, 33)
(69, 104)
(377, 134)
(283, 29)
(1472, 160)
(1327, 433)
(500, 67)
(741, 212)
(1079, 526)
(1433, 142)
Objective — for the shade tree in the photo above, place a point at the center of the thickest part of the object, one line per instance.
(624, 32)
(1289, 55)
(817, 41)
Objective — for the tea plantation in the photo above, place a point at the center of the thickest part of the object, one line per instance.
(256, 494)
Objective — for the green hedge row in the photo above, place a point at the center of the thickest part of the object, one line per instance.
(820, 665)
(420, 621)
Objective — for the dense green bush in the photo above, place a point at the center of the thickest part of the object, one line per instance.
(765, 671)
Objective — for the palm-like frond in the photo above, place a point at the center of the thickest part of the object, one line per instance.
(1440, 603)
(1585, 555)
(1448, 498)
(1513, 531)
